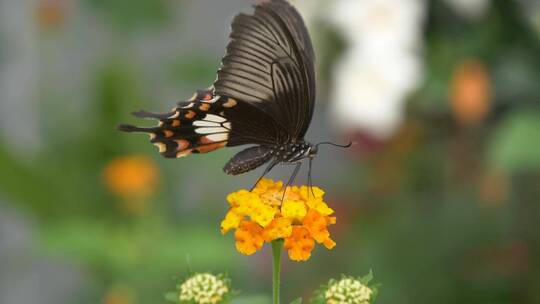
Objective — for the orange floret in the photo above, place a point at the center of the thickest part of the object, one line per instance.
(300, 244)
(249, 238)
(279, 228)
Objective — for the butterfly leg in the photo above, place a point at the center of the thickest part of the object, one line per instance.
(266, 171)
(291, 179)
(310, 180)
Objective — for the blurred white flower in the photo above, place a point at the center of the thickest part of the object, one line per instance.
(382, 65)
(379, 24)
(369, 91)
(471, 9)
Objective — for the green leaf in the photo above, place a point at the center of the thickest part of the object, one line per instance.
(367, 278)
(516, 145)
(297, 301)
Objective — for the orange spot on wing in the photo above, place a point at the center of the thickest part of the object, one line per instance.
(207, 145)
(207, 97)
(176, 123)
(182, 144)
(204, 107)
(168, 133)
(230, 103)
(211, 147)
(190, 114)
(205, 140)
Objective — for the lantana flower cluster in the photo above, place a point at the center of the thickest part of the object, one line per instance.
(204, 288)
(347, 290)
(300, 217)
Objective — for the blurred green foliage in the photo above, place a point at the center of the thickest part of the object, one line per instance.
(130, 15)
(516, 144)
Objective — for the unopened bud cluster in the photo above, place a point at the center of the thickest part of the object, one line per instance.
(203, 288)
(348, 291)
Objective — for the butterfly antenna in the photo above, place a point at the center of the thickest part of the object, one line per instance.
(335, 145)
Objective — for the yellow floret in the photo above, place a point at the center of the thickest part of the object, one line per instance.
(294, 210)
(231, 221)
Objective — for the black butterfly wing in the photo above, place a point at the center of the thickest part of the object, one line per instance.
(270, 65)
(264, 94)
(205, 123)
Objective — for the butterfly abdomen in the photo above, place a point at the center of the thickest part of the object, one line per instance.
(248, 159)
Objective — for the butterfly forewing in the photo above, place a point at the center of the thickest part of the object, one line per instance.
(269, 64)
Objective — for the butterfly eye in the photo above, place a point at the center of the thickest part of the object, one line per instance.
(313, 151)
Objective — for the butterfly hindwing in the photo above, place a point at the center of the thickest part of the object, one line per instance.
(207, 122)
(194, 126)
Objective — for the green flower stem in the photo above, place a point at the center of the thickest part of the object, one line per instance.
(277, 246)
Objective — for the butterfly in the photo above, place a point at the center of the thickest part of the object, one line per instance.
(264, 96)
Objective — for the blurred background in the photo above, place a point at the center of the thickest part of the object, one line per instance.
(440, 197)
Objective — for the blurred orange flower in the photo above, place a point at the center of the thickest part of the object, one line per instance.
(131, 177)
(301, 218)
(119, 295)
(471, 92)
(52, 13)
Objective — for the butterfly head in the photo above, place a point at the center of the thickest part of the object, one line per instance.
(312, 151)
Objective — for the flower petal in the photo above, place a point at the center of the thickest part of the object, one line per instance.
(279, 228)
(231, 221)
(249, 238)
(317, 226)
(300, 244)
(295, 210)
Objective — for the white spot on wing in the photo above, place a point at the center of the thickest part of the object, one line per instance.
(208, 130)
(218, 137)
(204, 123)
(161, 146)
(175, 115)
(211, 120)
(190, 105)
(212, 100)
(215, 118)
